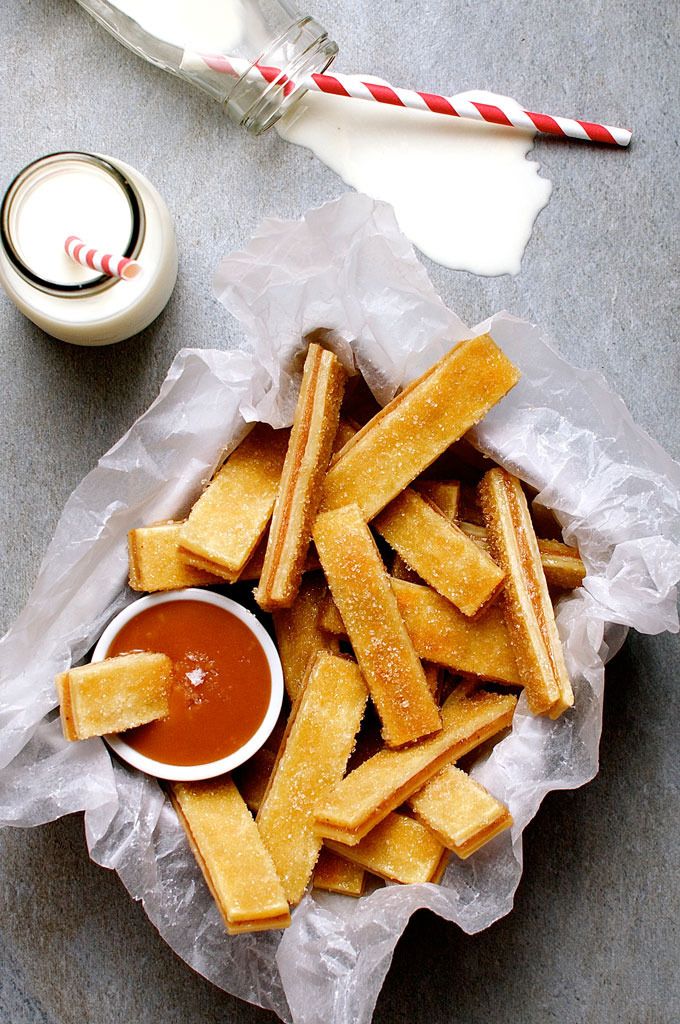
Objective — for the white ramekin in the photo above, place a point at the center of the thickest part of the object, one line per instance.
(194, 772)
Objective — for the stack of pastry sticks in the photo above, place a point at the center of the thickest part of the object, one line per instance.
(411, 600)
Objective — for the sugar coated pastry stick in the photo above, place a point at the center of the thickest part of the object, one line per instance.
(562, 565)
(230, 517)
(361, 588)
(399, 849)
(156, 564)
(252, 778)
(309, 449)
(334, 873)
(345, 432)
(114, 694)
(401, 570)
(440, 633)
(415, 427)
(234, 861)
(312, 758)
(439, 552)
(526, 600)
(367, 795)
(460, 812)
(445, 494)
(298, 635)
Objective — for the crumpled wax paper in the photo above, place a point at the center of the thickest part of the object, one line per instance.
(346, 271)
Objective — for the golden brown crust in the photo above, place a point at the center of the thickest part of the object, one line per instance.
(230, 517)
(526, 600)
(367, 795)
(334, 873)
(418, 425)
(361, 587)
(562, 564)
(114, 695)
(309, 450)
(234, 861)
(460, 812)
(311, 759)
(443, 635)
(156, 562)
(399, 849)
(440, 552)
(298, 634)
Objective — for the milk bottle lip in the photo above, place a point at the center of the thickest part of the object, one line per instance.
(138, 223)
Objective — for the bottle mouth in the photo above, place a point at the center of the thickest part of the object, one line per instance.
(13, 196)
(261, 96)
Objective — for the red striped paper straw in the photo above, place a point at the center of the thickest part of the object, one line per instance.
(106, 263)
(356, 88)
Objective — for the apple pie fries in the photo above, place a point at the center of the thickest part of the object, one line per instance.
(526, 601)
(361, 588)
(114, 694)
(230, 852)
(473, 609)
(309, 449)
(230, 517)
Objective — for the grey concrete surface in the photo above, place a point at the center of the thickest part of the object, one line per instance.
(594, 934)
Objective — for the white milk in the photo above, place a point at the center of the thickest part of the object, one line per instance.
(86, 202)
(113, 208)
(463, 191)
(213, 26)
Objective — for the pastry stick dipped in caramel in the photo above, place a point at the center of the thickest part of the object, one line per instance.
(309, 449)
(334, 873)
(461, 812)
(234, 861)
(443, 635)
(399, 849)
(114, 695)
(361, 588)
(439, 552)
(562, 564)
(418, 425)
(367, 795)
(298, 635)
(526, 600)
(312, 758)
(230, 517)
(156, 563)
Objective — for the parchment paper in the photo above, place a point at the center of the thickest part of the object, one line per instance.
(345, 270)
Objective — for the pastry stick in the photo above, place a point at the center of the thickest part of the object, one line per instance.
(156, 564)
(439, 552)
(418, 425)
(460, 812)
(312, 758)
(445, 494)
(234, 861)
(252, 777)
(309, 449)
(367, 795)
(334, 873)
(114, 695)
(361, 588)
(230, 517)
(399, 849)
(440, 633)
(298, 635)
(526, 602)
(562, 565)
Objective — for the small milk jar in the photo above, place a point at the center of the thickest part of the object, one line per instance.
(113, 208)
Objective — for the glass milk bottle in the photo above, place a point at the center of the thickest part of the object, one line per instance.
(116, 210)
(250, 55)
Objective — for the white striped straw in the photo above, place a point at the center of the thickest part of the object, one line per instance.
(356, 88)
(106, 263)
